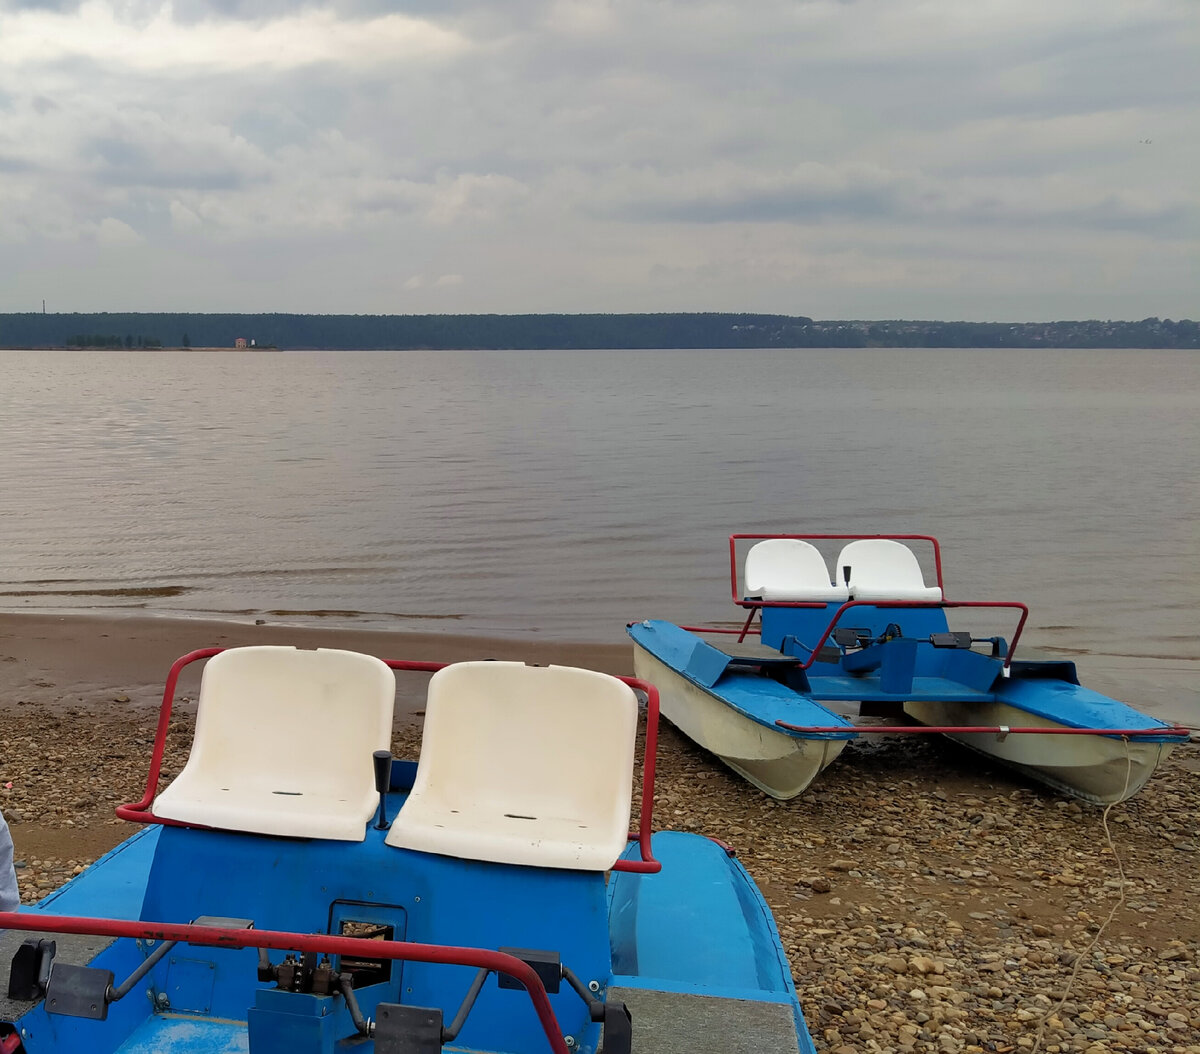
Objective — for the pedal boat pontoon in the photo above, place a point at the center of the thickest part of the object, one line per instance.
(879, 644)
(294, 891)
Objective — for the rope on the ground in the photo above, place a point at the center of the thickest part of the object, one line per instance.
(1079, 959)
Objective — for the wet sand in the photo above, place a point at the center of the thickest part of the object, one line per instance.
(86, 661)
(927, 901)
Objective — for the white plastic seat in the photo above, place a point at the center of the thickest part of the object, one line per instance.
(523, 765)
(883, 569)
(784, 569)
(283, 744)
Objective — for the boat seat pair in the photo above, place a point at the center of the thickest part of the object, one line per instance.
(784, 570)
(519, 764)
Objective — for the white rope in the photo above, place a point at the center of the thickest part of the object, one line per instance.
(1079, 960)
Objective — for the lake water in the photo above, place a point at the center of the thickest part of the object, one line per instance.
(562, 494)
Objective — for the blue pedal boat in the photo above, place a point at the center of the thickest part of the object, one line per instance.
(292, 890)
(877, 643)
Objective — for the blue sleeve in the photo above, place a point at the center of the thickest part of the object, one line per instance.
(10, 897)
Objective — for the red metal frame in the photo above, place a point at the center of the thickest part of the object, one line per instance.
(733, 567)
(901, 604)
(1023, 608)
(755, 605)
(139, 812)
(999, 730)
(218, 937)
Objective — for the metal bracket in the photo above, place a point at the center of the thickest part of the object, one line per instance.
(952, 639)
(78, 991)
(221, 922)
(846, 637)
(407, 1029)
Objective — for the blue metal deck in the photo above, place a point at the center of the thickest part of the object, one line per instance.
(893, 671)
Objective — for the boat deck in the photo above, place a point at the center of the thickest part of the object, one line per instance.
(118, 886)
(931, 689)
(704, 1024)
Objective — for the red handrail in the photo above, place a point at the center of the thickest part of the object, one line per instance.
(733, 568)
(1023, 608)
(219, 937)
(139, 812)
(1000, 730)
(647, 864)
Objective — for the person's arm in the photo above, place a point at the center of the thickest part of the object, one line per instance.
(10, 896)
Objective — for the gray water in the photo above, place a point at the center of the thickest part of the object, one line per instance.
(562, 494)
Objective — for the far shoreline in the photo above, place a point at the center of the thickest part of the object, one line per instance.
(180, 347)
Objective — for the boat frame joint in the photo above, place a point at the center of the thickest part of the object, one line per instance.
(546, 964)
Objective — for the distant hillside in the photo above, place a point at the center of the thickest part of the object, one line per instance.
(679, 330)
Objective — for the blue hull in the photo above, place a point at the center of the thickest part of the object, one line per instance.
(783, 684)
(692, 941)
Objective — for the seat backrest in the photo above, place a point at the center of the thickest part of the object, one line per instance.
(283, 742)
(788, 569)
(523, 764)
(884, 569)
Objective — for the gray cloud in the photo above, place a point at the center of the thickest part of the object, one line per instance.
(826, 158)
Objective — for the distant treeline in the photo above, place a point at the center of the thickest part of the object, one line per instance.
(101, 340)
(679, 330)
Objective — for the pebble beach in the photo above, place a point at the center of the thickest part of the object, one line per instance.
(927, 901)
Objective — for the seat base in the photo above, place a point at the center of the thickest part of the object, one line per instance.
(291, 815)
(504, 838)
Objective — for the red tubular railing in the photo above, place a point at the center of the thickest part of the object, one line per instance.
(1169, 731)
(902, 604)
(218, 937)
(1023, 608)
(647, 864)
(139, 812)
(755, 605)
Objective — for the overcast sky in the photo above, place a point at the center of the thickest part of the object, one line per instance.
(959, 159)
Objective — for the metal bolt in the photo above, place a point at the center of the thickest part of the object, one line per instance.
(569, 1041)
(593, 986)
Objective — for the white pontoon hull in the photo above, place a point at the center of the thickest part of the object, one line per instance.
(777, 763)
(1099, 769)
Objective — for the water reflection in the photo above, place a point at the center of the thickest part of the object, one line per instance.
(563, 493)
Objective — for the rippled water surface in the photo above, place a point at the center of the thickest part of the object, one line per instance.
(565, 493)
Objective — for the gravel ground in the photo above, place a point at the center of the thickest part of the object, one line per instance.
(927, 901)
